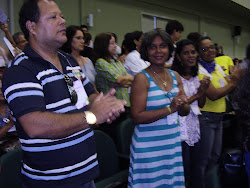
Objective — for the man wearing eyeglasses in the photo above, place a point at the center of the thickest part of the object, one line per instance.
(20, 40)
(54, 104)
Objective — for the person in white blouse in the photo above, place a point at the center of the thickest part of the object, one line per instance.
(133, 62)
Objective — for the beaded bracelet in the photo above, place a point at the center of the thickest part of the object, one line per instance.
(169, 109)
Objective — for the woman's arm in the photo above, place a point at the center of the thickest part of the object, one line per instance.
(215, 93)
(125, 81)
(181, 98)
(200, 95)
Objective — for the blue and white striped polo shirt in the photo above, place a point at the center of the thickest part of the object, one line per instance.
(33, 84)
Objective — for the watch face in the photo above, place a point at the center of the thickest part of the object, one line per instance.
(90, 118)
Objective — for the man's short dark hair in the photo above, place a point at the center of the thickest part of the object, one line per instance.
(149, 38)
(173, 25)
(28, 12)
(84, 26)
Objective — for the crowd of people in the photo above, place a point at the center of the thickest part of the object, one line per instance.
(60, 86)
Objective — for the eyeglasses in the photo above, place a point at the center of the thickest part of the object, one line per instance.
(205, 49)
(73, 94)
(22, 41)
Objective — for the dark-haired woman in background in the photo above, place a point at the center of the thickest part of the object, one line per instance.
(133, 62)
(73, 46)
(111, 74)
(185, 63)
(157, 97)
(215, 106)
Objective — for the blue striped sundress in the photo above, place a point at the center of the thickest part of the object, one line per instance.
(155, 151)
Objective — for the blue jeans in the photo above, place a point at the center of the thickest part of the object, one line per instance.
(210, 145)
(190, 156)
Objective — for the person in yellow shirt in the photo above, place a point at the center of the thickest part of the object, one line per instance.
(224, 61)
(215, 106)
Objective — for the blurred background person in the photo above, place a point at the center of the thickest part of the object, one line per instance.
(174, 28)
(224, 61)
(133, 62)
(85, 29)
(73, 46)
(20, 40)
(242, 100)
(111, 74)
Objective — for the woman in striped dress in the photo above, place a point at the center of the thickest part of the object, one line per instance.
(157, 97)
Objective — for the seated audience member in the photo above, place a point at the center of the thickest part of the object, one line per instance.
(212, 113)
(242, 99)
(8, 135)
(87, 51)
(133, 62)
(185, 63)
(20, 40)
(224, 61)
(73, 46)
(174, 28)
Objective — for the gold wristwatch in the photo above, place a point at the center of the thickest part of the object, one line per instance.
(90, 118)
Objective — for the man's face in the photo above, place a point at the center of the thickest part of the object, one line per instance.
(21, 42)
(85, 30)
(50, 28)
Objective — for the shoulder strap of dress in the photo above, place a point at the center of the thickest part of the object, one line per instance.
(147, 75)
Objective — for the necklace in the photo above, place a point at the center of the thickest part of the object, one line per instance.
(157, 75)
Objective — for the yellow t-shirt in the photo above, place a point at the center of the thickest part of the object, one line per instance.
(225, 61)
(218, 81)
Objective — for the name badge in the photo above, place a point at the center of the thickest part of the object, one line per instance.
(172, 118)
(222, 82)
(83, 99)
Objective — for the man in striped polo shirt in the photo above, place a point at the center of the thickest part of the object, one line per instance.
(53, 104)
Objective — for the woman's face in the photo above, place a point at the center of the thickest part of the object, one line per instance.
(188, 56)
(158, 51)
(112, 46)
(138, 43)
(207, 50)
(77, 43)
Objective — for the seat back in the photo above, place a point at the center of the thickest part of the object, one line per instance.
(10, 175)
(125, 131)
(106, 155)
